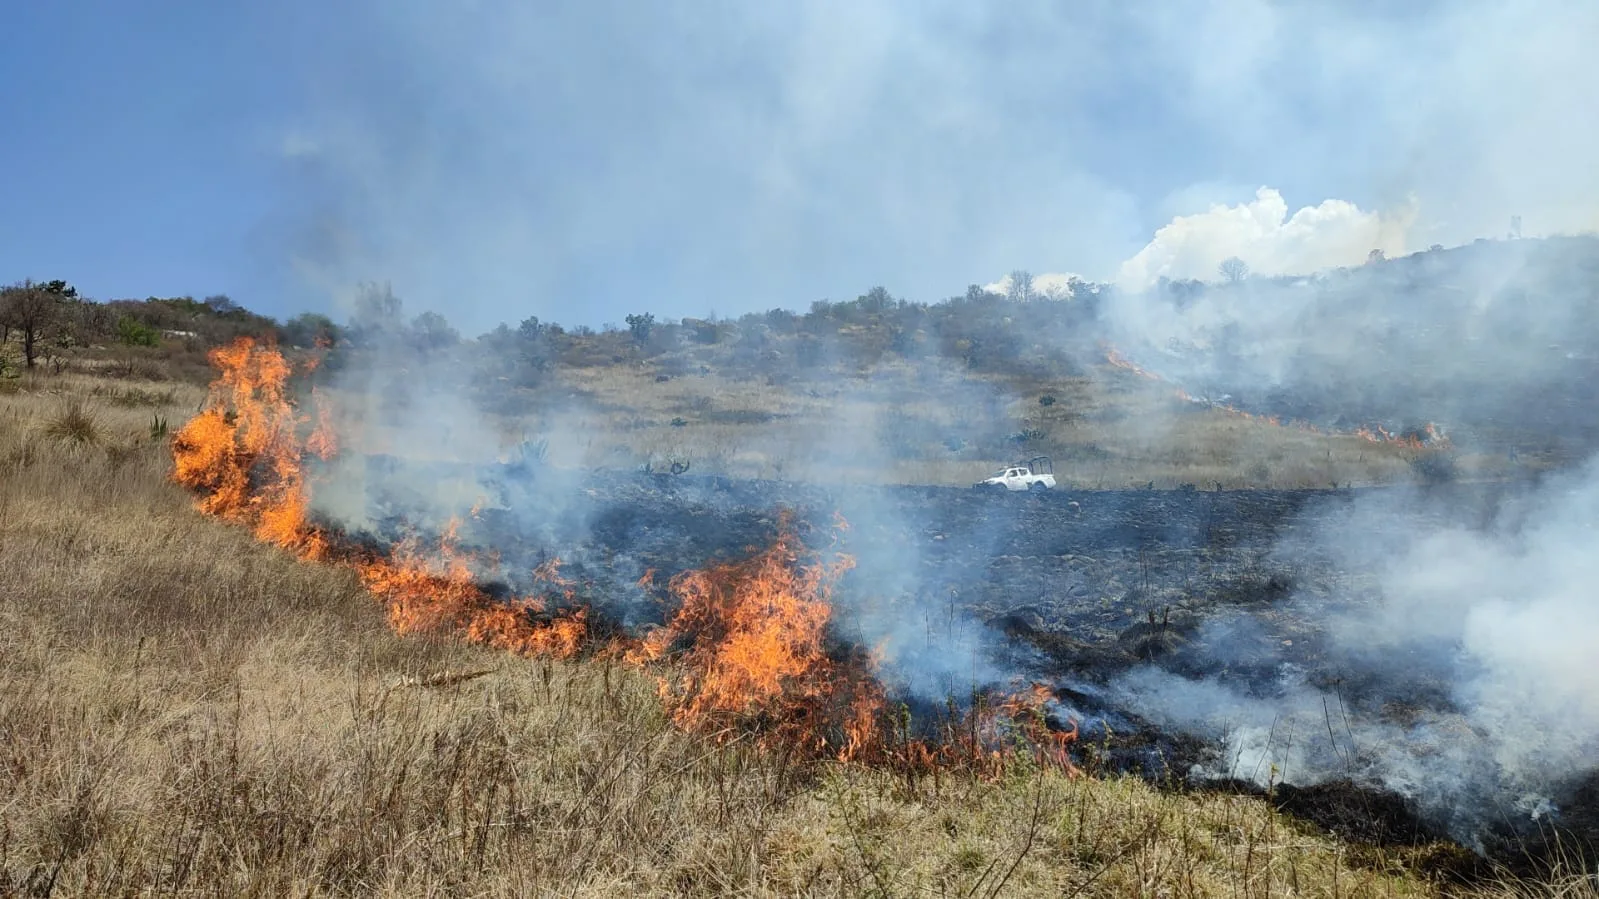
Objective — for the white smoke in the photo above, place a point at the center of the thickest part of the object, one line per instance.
(1503, 620)
(1517, 607)
(1269, 240)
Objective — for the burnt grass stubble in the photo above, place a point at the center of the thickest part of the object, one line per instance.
(1071, 587)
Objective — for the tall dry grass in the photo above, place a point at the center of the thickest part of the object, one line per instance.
(185, 712)
(926, 424)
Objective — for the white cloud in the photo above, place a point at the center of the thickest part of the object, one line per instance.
(1261, 232)
(1052, 285)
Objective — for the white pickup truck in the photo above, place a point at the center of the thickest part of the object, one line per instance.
(1034, 474)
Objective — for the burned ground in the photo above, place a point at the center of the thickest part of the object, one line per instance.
(1072, 588)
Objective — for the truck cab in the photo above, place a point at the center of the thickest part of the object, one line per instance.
(1036, 474)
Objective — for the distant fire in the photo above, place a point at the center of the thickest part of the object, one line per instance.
(747, 651)
(1426, 437)
(1115, 358)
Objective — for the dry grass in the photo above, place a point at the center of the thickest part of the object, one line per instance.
(185, 712)
(899, 423)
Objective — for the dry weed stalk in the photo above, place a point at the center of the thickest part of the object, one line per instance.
(442, 679)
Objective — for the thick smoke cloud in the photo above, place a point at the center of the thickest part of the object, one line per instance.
(497, 159)
(1465, 682)
(580, 162)
(1266, 238)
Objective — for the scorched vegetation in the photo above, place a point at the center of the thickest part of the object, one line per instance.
(230, 700)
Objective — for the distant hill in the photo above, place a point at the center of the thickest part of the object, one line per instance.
(1497, 342)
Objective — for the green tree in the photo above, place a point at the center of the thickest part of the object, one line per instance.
(378, 314)
(132, 333)
(61, 289)
(876, 301)
(222, 306)
(532, 329)
(641, 326)
(309, 329)
(432, 331)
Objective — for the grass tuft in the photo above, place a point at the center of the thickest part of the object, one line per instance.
(74, 423)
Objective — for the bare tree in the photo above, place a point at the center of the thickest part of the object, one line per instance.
(1021, 286)
(30, 309)
(1233, 269)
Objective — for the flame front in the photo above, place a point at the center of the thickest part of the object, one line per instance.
(244, 454)
(747, 651)
(439, 595)
(756, 653)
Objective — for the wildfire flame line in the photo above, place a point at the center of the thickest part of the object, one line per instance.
(747, 650)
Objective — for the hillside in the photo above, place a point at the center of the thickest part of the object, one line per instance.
(1268, 382)
(188, 711)
(396, 687)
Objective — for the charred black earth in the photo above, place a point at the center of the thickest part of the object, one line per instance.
(1076, 588)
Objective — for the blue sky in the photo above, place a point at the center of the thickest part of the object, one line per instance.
(579, 161)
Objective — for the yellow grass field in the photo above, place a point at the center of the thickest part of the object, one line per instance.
(186, 712)
(922, 424)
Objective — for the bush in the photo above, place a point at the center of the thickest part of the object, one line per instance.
(640, 327)
(1435, 468)
(133, 333)
(74, 423)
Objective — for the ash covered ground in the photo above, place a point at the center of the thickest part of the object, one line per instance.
(1203, 638)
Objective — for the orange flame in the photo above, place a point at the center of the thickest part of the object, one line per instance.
(755, 634)
(243, 454)
(1115, 358)
(428, 595)
(748, 646)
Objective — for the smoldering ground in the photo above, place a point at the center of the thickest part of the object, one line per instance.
(1242, 618)
(1494, 342)
(420, 454)
(1449, 672)
(1457, 675)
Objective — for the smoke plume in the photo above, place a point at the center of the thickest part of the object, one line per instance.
(1266, 238)
(502, 161)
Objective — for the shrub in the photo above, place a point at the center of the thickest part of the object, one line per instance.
(640, 326)
(74, 423)
(1435, 468)
(133, 333)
